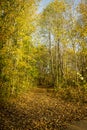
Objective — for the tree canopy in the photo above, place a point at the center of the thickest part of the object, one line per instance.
(48, 49)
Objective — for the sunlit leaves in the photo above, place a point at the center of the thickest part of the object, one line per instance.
(82, 21)
(53, 18)
(17, 17)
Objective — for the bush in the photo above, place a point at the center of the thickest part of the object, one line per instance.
(71, 94)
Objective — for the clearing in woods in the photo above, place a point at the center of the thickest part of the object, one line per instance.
(39, 110)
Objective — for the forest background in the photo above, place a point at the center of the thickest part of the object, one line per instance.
(43, 48)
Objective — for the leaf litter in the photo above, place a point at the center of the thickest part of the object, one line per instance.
(37, 110)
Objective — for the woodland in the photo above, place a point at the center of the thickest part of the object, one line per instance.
(43, 65)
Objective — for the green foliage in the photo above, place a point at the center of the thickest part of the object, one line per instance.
(17, 61)
(56, 58)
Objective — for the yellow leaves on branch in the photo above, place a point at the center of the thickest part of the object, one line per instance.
(58, 6)
(53, 18)
(82, 27)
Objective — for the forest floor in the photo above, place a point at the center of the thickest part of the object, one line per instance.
(39, 110)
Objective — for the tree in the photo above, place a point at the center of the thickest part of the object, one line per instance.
(16, 44)
(82, 33)
(52, 20)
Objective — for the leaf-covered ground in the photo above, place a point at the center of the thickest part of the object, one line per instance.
(37, 110)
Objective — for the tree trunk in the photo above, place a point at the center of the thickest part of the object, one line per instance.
(51, 57)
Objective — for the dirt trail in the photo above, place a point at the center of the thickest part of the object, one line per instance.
(78, 125)
(39, 111)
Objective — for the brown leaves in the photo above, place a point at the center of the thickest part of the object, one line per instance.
(36, 110)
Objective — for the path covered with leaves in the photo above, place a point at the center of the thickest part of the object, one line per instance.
(37, 110)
